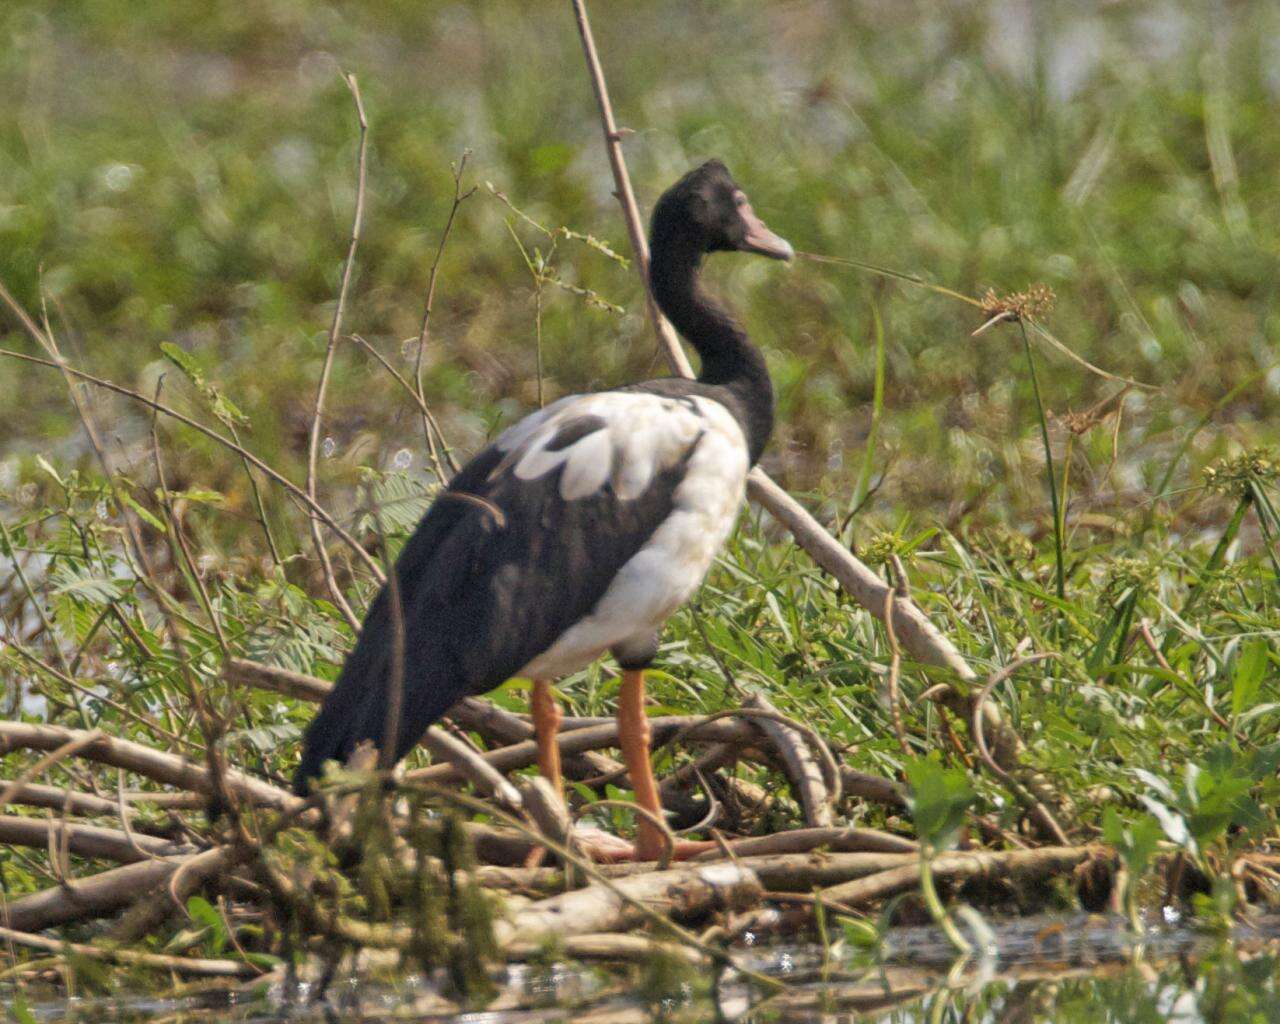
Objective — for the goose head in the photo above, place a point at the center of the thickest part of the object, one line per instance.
(708, 211)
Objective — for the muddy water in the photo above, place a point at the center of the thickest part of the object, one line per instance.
(1084, 969)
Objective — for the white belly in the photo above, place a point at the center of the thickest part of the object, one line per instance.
(663, 574)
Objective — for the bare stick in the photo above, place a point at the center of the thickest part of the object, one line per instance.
(55, 798)
(279, 680)
(472, 766)
(169, 769)
(105, 893)
(87, 840)
(334, 328)
(802, 767)
(429, 423)
(960, 866)
(1048, 824)
(802, 840)
(199, 966)
(622, 189)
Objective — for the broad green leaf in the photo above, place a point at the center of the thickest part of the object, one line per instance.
(1246, 680)
(939, 799)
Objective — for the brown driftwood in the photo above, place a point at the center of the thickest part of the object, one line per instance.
(170, 769)
(874, 788)
(961, 866)
(680, 894)
(608, 947)
(85, 840)
(786, 872)
(106, 893)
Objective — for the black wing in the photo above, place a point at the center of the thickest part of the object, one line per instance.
(503, 562)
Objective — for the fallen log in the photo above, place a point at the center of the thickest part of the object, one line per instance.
(960, 866)
(679, 894)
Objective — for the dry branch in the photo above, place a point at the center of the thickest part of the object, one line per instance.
(801, 766)
(874, 788)
(803, 840)
(34, 794)
(1015, 865)
(106, 893)
(473, 766)
(243, 672)
(610, 948)
(680, 894)
(169, 769)
(87, 840)
(595, 737)
(198, 966)
(331, 347)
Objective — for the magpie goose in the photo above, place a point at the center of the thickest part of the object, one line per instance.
(581, 528)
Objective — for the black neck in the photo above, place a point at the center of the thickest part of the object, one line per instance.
(729, 360)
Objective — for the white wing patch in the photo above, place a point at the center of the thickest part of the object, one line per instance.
(639, 435)
(642, 433)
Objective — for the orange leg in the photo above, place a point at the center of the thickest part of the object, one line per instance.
(547, 716)
(634, 734)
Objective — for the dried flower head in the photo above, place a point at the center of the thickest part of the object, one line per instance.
(1235, 474)
(1034, 302)
(1079, 423)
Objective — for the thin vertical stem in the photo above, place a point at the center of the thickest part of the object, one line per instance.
(430, 428)
(335, 327)
(1049, 471)
(626, 197)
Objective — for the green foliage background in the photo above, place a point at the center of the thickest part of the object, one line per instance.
(185, 172)
(182, 174)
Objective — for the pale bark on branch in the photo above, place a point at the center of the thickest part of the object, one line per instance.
(86, 840)
(170, 769)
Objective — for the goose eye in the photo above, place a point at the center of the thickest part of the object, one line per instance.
(739, 198)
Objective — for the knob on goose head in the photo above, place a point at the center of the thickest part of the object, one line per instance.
(706, 211)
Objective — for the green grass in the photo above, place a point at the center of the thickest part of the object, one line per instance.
(175, 174)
